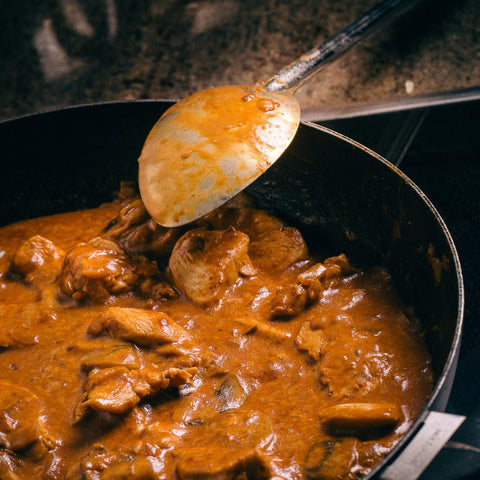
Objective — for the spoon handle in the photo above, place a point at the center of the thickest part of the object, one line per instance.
(312, 62)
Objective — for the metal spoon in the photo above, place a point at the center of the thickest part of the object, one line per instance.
(209, 146)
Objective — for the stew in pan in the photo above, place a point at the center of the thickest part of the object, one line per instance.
(228, 349)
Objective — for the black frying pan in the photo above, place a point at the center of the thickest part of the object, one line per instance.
(339, 192)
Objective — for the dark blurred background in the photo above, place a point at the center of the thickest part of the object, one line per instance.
(63, 52)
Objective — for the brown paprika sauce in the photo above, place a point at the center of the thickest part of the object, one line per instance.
(227, 349)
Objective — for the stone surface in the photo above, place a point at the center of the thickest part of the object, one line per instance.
(65, 52)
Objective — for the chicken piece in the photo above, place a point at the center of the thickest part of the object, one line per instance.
(105, 464)
(278, 249)
(342, 262)
(99, 269)
(157, 289)
(22, 418)
(288, 301)
(330, 268)
(118, 389)
(137, 233)
(9, 464)
(143, 327)
(361, 419)
(351, 364)
(205, 263)
(184, 354)
(252, 326)
(255, 223)
(39, 260)
(311, 339)
(239, 428)
(16, 325)
(215, 463)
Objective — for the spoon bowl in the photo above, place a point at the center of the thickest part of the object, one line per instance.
(208, 147)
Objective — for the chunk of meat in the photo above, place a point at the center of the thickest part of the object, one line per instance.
(99, 269)
(255, 223)
(278, 248)
(360, 419)
(239, 428)
(22, 418)
(118, 389)
(137, 233)
(330, 268)
(16, 322)
(9, 464)
(157, 289)
(312, 340)
(352, 364)
(143, 327)
(205, 263)
(288, 301)
(115, 355)
(185, 354)
(209, 463)
(252, 326)
(130, 468)
(39, 260)
(105, 464)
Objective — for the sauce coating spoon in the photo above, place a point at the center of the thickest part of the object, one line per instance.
(209, 146)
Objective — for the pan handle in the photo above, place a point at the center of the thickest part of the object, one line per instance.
(436, 430)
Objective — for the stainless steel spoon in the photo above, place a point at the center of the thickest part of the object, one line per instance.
(209, 146)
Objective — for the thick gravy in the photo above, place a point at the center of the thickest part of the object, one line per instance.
(226, 350)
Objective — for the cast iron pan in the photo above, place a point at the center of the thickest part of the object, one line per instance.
(340, 193)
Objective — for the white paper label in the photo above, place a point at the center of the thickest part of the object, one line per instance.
(429, 440)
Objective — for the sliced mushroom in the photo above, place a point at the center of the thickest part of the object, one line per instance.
(361, 419)
(331, 459)
(215, 463)
(231, 394)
